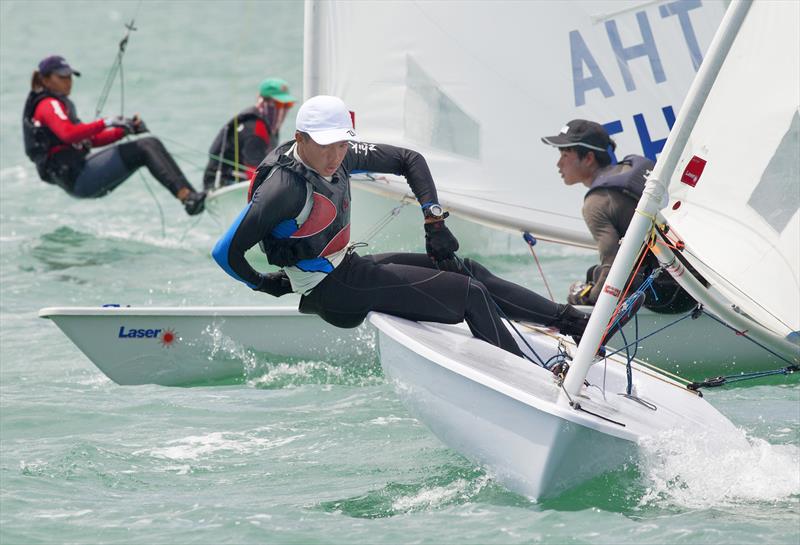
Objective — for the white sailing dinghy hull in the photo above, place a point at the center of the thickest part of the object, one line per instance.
(510, 416)
(180, 346)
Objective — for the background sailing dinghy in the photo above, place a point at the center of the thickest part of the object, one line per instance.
(540, 437)
(182, 346)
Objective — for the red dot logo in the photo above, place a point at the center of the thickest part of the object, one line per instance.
(168, 337)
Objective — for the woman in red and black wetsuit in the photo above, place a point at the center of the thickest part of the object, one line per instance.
(60, 145)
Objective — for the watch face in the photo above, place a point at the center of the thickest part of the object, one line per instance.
(435, 210)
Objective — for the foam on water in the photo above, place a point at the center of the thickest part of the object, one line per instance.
(717, 470)
(195, 447)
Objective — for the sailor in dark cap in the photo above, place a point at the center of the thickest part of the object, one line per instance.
(586, 157)
(62, 146)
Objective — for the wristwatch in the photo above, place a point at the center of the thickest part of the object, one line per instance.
(434, 211)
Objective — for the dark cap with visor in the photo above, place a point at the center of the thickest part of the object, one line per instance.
(56, 64)
(580, 132)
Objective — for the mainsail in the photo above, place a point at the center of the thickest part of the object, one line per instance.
(735, 196)
(474, 86)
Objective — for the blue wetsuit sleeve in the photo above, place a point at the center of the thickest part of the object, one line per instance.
(222, 253)
(366, 157)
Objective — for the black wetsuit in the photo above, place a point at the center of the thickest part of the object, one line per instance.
(250, 132)
(349, 285)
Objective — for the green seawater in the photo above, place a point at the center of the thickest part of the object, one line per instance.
(297, 452)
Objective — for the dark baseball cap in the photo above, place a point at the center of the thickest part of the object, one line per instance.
(56, 64)
(580, 132)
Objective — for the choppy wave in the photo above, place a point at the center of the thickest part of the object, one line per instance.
(715, 471)
(449, 485)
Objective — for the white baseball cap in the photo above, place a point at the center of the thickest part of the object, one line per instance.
(326, 119)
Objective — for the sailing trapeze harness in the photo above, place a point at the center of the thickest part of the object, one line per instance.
(326, 227)
(627, 176)
(56, 161)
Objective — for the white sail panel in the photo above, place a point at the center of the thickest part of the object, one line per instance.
(737, 185)
(475, 85)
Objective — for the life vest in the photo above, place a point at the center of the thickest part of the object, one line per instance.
(326, 230)
(628, 176)
(260, 130)
(60, 167)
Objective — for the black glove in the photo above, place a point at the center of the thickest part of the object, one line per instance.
(440, 244)
(138, 125)
(288, 251)
(276, 284)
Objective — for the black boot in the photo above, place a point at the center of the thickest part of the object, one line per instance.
(195, 202)
(571, 321)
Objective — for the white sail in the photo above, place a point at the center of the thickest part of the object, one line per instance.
(736, 191)
(747, 53)
(474, 86)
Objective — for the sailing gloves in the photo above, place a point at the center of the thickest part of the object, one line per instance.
(138, 125)
(441, 245)
(276, 284)
(130, 125)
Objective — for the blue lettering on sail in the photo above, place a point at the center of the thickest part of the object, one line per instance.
(612, 128)
(645, 49)
(681, 9)
(651, 148)
(582, 56)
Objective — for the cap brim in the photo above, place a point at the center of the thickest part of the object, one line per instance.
(562, 141)
(282, 97)
(323, 138)
(558, 141)
(66, 72)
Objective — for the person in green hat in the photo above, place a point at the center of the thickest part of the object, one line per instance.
(245, 140)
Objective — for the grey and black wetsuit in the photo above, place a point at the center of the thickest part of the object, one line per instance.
(608, 208)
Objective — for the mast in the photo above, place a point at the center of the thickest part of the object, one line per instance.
(655, 194)
(311, 40)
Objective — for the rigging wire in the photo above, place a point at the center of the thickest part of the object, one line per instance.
(198, 152)
(728, 379)
(117, 67)
(531, 240)
(503, 315)
(384, 221)
(111, 76)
